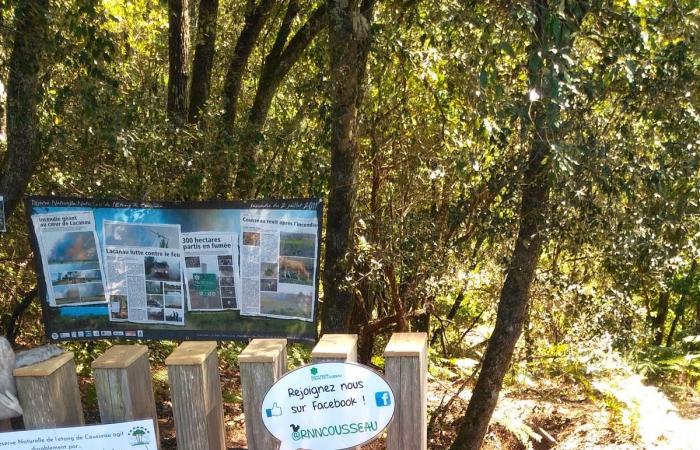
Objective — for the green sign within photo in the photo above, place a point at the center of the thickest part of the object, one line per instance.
(206, 284)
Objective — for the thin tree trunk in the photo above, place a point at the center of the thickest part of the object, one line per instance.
(440, 332)
(512, 307)
(349, 48)
(178, 60)
(697, 312)
(513, 304)
(278, 63)
(23, 95)
(679, 310)
(12, 326)
(255, 18)
(659, 321)
(203, 58)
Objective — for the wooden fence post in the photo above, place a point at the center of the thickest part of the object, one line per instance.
(48, 393)
(406, 367)
(195, 389)
(262, 363)
(123, 385)
(335, 348)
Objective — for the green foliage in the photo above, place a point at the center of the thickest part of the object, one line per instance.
(673, 365)
(445, 126)
(298, 355)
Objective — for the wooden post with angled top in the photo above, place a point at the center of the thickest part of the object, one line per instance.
(406, 367)
(195, 388)
(335, 348)
(262, 363)
(48, 393)
(123, 385)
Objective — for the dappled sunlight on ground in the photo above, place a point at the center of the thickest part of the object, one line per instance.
(658, 420)
(617, 412)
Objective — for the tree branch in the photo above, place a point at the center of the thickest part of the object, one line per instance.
(255, 18)
(17, 313)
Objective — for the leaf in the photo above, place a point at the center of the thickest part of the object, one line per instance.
(483, 78)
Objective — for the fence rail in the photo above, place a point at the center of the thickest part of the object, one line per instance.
(48, 391)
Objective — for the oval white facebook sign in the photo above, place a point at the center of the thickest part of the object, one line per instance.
(328, 406)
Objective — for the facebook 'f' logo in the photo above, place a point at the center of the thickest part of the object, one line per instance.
(382, 398)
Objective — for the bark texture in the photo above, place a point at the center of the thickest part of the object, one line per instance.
(255, 18)
(659, 321)
(277, 65)
(514, 298)
(203, 58)
(23, 96)
(178, 60)
(349, 42)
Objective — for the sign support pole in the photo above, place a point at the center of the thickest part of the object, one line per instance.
(123, 384)
(262, 363)
(336, 348)
(48, 393)
(195, 388)
(406, 362)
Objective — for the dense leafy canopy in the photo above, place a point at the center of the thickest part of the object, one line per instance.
(454, 94)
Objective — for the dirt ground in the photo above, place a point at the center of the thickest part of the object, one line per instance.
(623, 414)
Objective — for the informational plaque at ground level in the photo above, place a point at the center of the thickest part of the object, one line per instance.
(212, 270)
(328, 406)
(137, 435)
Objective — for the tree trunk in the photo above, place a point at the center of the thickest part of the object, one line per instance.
(659, 321)
(23, 96)
(278, 63)
(255, 18)
(203, 58)
(178, 60)
(679, 310)
(697, 311)
(514, 298)
(349, 48)
(512, 307)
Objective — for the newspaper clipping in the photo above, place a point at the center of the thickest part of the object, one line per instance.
(71, 257)
(211, 270)
(278, 266)
(144, 277)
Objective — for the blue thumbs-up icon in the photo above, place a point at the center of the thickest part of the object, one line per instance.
(275, 411)
(382, 398)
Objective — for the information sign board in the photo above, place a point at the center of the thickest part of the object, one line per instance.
(177, 270)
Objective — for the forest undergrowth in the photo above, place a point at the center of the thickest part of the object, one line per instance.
(596, 398)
